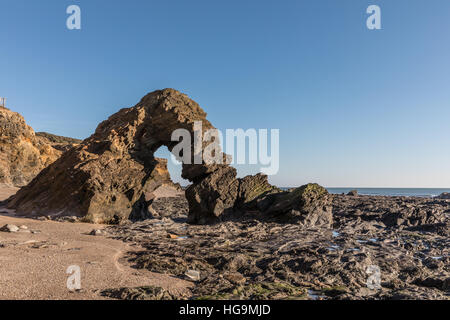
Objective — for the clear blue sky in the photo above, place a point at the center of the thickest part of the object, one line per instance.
(354, 107)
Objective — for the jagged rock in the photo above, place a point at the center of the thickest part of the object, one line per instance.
(111, 176)
(58, 142)
(193, 275)
(22, 154)
(96, 232)
(213, 196)
(101, 189)
(444, 195)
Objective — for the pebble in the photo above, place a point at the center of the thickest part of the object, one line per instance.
(9, 228)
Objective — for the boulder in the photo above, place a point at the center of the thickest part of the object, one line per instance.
(213, 196)
(352, 193)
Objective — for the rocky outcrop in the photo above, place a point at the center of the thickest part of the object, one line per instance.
(106, 177)
(213, 196)
(309, 205)
(444, 195)
(23, 154)
(111, 176)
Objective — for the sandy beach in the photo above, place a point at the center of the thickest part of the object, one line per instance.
(33, 265)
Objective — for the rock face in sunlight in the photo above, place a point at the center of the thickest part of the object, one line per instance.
(23, 154)
(308, 205)
(108, 177)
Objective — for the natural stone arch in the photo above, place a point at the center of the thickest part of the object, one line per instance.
(110, 176)
(106, 177)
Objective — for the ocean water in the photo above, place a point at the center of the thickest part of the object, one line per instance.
(406, 192)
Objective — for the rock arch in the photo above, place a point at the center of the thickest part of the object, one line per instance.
(107, 178)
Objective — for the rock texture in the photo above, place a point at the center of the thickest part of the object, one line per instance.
(110, 176)
(444, 195)
(424, 214)
(309, 205)
(23, 154)
(58, 142)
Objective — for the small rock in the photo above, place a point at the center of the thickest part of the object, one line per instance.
(193, 275)
(353, 193)
(235, 278)
(9, 228)
(23, 227)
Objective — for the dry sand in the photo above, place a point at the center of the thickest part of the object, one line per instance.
(33, 266)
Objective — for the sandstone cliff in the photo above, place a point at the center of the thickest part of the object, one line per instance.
(23, 154)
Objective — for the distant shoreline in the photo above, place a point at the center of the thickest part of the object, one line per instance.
(391, 192)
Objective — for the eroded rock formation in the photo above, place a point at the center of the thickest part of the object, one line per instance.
(108, 177)
(23, 154)
(58, 142)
